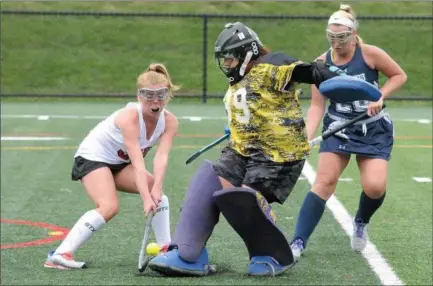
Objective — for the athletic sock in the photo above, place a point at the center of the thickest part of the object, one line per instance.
(309, 216)
(367, 207)
(89, 223)
(161, 222)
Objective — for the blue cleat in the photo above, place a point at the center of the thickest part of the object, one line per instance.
(170, 264)
(266, 266)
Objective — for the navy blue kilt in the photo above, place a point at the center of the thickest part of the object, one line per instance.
(376, 142)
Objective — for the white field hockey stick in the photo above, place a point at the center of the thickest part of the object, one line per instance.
(144, 259)
(346, 124)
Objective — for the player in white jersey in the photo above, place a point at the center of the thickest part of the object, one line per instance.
(111, 158)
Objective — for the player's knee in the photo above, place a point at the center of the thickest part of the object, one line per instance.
(109, 210)
(374, 190)
(324, 186)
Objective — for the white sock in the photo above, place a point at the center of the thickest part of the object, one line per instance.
(83, 229)
(161, 222)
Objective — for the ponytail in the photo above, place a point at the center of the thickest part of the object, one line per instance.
(161, 69)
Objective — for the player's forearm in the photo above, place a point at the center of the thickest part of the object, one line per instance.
(314, 117)
(141, 183)
(159, 168)
(393, 84)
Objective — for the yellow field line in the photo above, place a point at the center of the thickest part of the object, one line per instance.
(53, 148)
(414, 146)
(185, 135)
(414, 137)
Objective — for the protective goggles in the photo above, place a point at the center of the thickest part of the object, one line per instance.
(150, 94)
(339, 37)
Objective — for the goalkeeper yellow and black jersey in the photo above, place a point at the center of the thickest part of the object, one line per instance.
(265, 117)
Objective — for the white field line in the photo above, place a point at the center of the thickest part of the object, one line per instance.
(27, 138)
(375, 260)
(422, 179)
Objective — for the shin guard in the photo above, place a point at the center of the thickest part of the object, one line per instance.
(250, 215)
(199, 214)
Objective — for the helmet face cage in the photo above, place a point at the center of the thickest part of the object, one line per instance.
(224, 59)
(236, 41)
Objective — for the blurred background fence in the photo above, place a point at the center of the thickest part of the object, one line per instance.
(100, 54)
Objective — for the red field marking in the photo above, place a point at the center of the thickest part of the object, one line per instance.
(45, 240)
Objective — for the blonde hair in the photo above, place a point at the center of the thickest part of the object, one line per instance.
(156, 73)
(348, 12)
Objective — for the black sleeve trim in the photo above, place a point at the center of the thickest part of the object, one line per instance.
(312, 73)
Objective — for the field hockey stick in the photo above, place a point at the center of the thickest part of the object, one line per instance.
(207, 147)
(346, 124)
(144, 259)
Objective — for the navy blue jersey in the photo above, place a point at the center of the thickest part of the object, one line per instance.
(374, 137)
(359, 68)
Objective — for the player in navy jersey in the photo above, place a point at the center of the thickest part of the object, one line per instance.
(370, 140)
